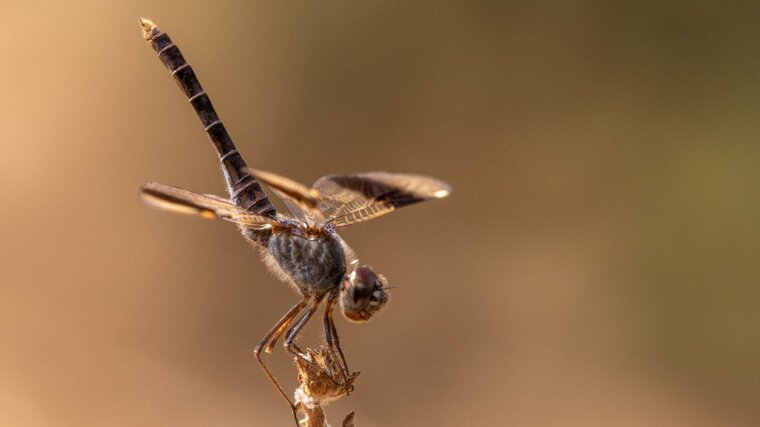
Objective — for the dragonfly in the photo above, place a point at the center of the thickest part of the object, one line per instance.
(302, 247)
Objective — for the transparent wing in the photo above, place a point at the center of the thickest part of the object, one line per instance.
(208, 206)
(349, 199)
(300, 200)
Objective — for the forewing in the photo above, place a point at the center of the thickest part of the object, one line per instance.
(349, 199)
(206, 205)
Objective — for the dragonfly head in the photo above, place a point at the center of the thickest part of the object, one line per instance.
(363, 294)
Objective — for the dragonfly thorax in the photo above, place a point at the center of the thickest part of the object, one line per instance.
(316, 263)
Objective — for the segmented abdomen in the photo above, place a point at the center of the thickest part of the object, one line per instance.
(244, 189)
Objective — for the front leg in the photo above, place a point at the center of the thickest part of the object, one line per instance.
(331, 336)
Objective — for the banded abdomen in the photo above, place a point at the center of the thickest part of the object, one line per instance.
(244, 189)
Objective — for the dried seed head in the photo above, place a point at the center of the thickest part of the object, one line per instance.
(321, 382)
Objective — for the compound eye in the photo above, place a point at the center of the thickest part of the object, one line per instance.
(363, 275)
(359, 294)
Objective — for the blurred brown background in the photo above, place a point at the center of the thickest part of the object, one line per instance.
(596, 265)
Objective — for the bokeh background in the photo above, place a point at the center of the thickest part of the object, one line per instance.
(596, 265)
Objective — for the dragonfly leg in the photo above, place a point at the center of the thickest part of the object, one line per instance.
(293, 348)
(273, 340)
(293, 332)
(273, 333)
(331, 336)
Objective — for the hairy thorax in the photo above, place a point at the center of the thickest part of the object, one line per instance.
(314, 262)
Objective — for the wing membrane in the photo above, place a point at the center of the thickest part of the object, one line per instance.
(350, 199)
(179, 200)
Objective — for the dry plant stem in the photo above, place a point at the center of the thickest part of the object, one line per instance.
(349, 420)
(318, 387)
(315, 417)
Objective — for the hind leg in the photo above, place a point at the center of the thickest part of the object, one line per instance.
(272, 335)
